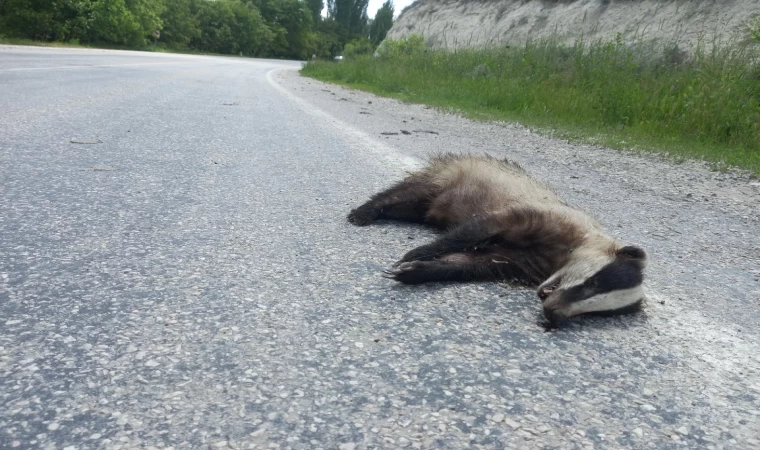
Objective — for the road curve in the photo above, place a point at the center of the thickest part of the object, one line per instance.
(176, 271)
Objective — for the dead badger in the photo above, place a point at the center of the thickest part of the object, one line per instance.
(501, 224)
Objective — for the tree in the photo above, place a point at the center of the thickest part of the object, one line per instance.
(291, 25)
(231, 26)
(111, 22)
(382, 23)
(284, 28)
(359, 19)
(147, 14)
(181, 25)
(330, 38)
(214, 21)
(249, 30)
(316, 7)
(44, 20)
(123, 22)
(350, 14)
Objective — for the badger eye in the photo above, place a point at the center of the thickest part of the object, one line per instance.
(591, 287)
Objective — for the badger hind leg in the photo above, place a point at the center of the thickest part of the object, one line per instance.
(462, 267)
(406, 201)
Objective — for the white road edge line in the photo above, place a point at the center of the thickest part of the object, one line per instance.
(350, 133)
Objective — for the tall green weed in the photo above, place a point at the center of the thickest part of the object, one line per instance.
(706, 105)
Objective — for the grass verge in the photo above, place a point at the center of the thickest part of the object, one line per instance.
(19, 41)
(705, 106)
(160, 48)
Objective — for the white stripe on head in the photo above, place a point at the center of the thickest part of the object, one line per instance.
(607, 301)
(581, 269)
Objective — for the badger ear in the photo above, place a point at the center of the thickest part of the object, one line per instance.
(632, 253)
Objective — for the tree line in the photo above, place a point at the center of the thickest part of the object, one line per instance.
(266, 28)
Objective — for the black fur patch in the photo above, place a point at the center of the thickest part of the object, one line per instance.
(616, 276)
(632, 253)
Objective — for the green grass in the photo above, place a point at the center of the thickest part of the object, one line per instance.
(706, 106)
(147, 48)
(20, 41)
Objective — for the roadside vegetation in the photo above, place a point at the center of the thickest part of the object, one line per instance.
(705, 105)
(292, 29)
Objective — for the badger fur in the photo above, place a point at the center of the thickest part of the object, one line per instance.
(500, 224)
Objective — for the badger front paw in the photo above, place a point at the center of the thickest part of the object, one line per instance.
(414, 272)
(422, 253)
(363, 215)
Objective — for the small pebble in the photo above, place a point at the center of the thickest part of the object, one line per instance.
(514, 425)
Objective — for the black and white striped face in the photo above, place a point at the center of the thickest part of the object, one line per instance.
(601, 283)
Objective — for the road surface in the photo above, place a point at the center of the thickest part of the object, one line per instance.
(176, 271)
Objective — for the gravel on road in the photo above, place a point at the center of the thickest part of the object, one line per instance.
(176, 271)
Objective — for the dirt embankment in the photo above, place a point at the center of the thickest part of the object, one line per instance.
(488, 23)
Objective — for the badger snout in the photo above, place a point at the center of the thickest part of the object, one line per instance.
(556, 308)
(554, 316)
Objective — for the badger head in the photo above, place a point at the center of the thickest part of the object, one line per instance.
(595, 280)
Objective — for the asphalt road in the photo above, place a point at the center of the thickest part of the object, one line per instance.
(176, 271)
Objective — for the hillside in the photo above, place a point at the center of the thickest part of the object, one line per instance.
(487, 23)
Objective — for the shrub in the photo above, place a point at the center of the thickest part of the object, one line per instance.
(408, 45)
(754, 29)
(359, 46)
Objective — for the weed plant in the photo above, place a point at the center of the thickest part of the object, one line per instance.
(703, 105)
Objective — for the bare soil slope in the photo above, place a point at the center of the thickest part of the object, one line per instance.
(484, 23)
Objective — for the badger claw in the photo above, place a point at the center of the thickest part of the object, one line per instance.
(397, 269)
(413, 272)
(390, 274)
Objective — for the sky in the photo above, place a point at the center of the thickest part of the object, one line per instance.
(374, 5)
(398, 6)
